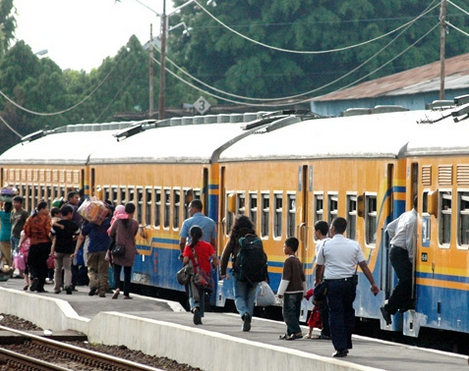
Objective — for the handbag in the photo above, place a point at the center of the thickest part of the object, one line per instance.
(118, 250)
(202, 279)
(51, 262)
(184, 274)
(265, 295)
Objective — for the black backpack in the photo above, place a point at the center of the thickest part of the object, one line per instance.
(250, 263)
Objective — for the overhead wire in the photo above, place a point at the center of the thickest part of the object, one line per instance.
(290, 97)
(457, 28)
(311, 51)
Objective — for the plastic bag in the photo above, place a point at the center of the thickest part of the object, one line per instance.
(265, 295)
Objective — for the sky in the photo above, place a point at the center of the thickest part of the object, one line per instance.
(80, 34)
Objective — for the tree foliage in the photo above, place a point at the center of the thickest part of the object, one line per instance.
(41, 95)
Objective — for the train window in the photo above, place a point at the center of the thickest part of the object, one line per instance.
(157, 193)
(291, 215)
(122, 195)
(49, 193)
(56, 192)
(333, 201)
(445, 218)
(131, 193)
(318, 207)
(352, 216)
(140, 205)
(265, 216)
(107, 194)
(253, 207)
(278, 216)
(188, 197)
(167, 207)
(114, 198)
(36, 194)
(176, 208)
(463, 219)
(370, 219)
(44, 193)
(241, 201)
(148, 195)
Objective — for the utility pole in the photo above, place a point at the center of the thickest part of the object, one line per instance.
(442, 48)
(152, 71)
(161, 103)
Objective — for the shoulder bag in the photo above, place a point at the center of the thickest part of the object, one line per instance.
(184, 274)
(202, 279)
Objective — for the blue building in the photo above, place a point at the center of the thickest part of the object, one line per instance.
(412, 89)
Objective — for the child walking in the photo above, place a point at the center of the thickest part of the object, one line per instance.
(292, 289)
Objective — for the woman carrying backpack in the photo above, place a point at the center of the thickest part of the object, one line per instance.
(244, 290)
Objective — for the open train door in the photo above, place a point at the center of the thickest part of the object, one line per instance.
(304, 227)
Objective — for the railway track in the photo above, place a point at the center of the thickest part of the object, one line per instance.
(39, 353)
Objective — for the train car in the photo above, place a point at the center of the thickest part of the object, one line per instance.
(285, 171)
(438, 167)
(295, 172)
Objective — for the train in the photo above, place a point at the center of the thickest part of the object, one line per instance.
(285, 170)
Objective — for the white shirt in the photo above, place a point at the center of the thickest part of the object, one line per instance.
(340, 256)
(403, 231)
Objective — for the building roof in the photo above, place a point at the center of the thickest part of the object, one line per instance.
(416, 80)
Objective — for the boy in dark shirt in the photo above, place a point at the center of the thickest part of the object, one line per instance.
(292, 289)
(63, 248)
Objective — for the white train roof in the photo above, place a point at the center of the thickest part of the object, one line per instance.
(172, 144)
(376, 135)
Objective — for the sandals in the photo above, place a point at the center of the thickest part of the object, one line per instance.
(321, 337)
(291, 337)
(308, 336)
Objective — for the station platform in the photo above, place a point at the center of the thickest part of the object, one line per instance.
(162, 328)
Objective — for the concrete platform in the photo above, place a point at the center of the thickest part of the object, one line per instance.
(162, 328)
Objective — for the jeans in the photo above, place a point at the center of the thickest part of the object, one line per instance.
(245, 296)
(14, 243)
(291, 312)
(117, 278)
(340, 297)
(196, 298)
(401, 296)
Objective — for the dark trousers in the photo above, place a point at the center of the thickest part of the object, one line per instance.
(37, 262)
(324, 312)
(401, 297)
(117, 278)
(291, 312)
(340, 297)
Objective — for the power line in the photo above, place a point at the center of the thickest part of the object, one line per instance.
(314, 52)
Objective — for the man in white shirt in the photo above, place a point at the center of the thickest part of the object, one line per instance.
(337, 262)
(402, 232)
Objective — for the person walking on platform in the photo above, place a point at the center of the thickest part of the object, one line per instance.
(321, 228)
(207, 225)
(337, 261)
(244, 291)
(37, 228)
(123, 232)
(18, 218)
(96, 262)
(292, 289)
(5, 237)
(64, 232)
(200, 252)
(402, 232)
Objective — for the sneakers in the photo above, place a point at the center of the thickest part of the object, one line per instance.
(246, 322)
(386, 315)
(197, 316)
(68, 290)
